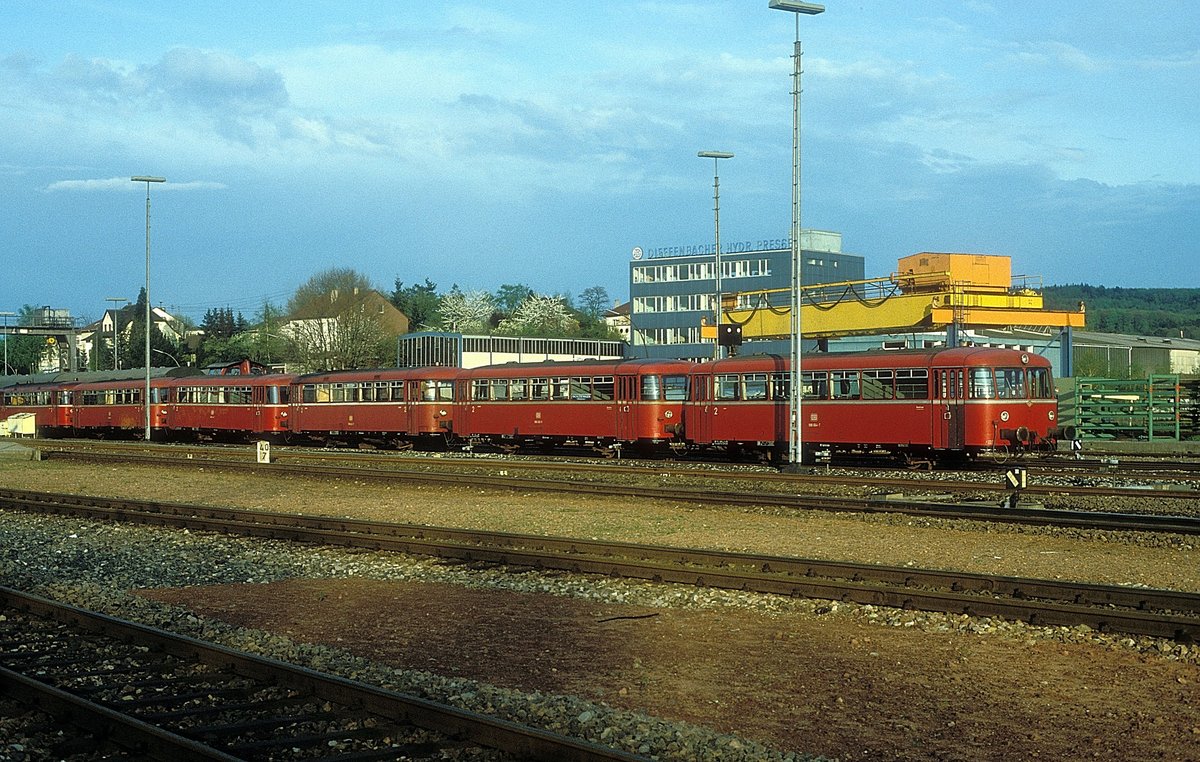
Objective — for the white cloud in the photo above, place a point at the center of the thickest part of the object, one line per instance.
(125, 184)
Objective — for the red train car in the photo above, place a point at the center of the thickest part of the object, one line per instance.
(48, 402)
(597, 403)
(394, 407)
(956, 401)
(115, 408)
(227, 406)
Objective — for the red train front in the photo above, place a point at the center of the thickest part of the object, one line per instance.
(945, 402)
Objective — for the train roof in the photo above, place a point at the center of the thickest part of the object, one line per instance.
(938, 357)
(439, 372)
(97, 376)
(550, 367)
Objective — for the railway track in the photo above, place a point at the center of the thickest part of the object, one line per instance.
(1141, 611)
(706, 494)
(1162, 484)
(158, 695)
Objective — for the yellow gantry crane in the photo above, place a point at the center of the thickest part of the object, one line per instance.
(930, 291)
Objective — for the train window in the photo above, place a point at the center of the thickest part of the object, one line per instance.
(1041, 387)
(339, 393)
(754, 386)
(308, 393)
(443, 391)
(983, 384)
(539, 389)
(912, 384)
(1010, 383)
(814, 385)
(560, 388)
(479, 390)
(781, 386)
(675, 388)
(878, 384)
(845, 385)
(651, 388)
(498, 389)
(518, 389)
(64, 398)
(602, 387)
(581, 388)
(240, 395)
(725, 387)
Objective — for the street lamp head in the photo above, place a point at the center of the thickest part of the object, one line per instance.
(810, 9)
(146, 179)
(714, 155)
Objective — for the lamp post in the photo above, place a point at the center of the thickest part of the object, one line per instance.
(147, 180)
(114, 300)
(796, 445)
(6, 316)
(717, 156)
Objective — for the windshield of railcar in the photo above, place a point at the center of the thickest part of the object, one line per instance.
(669, 388)
(1010, 383)
(1041, 385)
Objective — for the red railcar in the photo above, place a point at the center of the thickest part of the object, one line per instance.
(963, 400)
(227, 406)
(115, 408)
(394, 407)
(591, 402)
(49, 403)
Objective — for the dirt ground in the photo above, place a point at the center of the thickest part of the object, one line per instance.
(827, 685)
(815, 684)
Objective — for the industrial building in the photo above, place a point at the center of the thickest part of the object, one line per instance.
(673, 290)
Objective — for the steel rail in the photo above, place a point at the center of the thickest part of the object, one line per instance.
(1141, 610)
(784, 480)
(524, 741)
(972, 510)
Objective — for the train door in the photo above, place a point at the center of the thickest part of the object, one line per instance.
(258, 399)
(626, 407)
(949, 425)
(699, 424)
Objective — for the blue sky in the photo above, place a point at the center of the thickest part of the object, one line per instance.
(525, 142)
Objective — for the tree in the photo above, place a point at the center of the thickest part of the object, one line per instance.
(340, 279)
(468, 312)
(25, 352)
(268, 345)
(594, 301)
(353, 339)
(540, 316)
(163, 351)
(509, 297)
(420, 302)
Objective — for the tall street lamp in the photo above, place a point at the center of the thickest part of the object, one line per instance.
(796, 446)
(717, 156)
(147, 180)
(114, 300)
(6, 316)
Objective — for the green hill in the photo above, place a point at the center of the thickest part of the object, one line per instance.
(1166, 312)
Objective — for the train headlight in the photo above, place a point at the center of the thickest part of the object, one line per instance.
(1050, 415)
(1004, 415)
(441, 412)
(668, 414)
